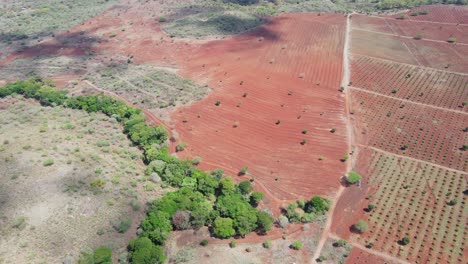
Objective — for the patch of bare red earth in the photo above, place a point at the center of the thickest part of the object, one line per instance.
(359, 256)
(288, 72)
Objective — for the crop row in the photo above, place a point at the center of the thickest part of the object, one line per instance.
(428, 86)
(437, 13)
(412, 130)
(419, 201)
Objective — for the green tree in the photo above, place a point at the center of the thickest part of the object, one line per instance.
(222, 227)
(143, 251)
(296, 245)
(361, 226)
(317, 205)
(256, 197)
(264, 221)
(227, 186)
(103, 255)
(353, 177)
(245, 187)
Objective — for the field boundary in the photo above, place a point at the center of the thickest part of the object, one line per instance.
(407, 101)
(410, 158)
(420, 21)
(371, 251)
(416, 66)
(409, 37)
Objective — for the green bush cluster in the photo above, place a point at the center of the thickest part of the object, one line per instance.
(209, 199)
(312, 209)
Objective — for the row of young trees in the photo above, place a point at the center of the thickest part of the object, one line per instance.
(204, 199)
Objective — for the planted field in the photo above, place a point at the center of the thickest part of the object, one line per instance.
(412, 130)
(274, 104)
(439, 13)
(438, 55)
(419, 201)
(409, 28)
(422, 85)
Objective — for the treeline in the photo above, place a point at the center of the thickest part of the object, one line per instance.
(204, 199)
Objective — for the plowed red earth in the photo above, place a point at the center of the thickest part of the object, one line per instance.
(289, 71)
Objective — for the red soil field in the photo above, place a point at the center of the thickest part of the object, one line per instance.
(410, 28)
(441, 13)
(432, 135)
(358, 256)
(289, 70)
(438, 55)
(422, 85)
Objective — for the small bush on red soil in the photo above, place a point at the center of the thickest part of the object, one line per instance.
(267, 244)
(370, 207)
(181, 146)
(404, 241)
(296, 245)
(345, 158)
(304, 141)
(333, 130)
(204, 243)
(218, 103)
(243, 171)
(162, 19)
(353, 177)
(304, 131)
(419, 36)
(452, 202)
(278, 122)
(361, 226)
(233, 244)
(340, 243)
(452, 40)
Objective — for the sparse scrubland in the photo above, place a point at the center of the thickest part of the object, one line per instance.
(70, 181)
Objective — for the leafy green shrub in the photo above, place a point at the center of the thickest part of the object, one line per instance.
(353, 177)
(19, 223)
(233, 244)
(296, 245)
(123, 225)
(361, 226)
(404, 241)
(222, 227)
(103, 255)
(204, 243)
(48, 162)
(97, 183)
(245, 187)
(103, 143)
(181, 146)
(218, 103)
(162, 19)
(267, 244)
(345, 158)
(419, 36)
(243, 171)
(317, 205)
(340, 243)
(264, 221)
(256, 197)
(452, 40)
(142, 250)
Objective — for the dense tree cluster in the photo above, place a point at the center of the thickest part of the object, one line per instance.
(204, 199)
(306, 211)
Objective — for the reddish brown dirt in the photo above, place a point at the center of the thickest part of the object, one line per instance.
(288, 75)
(358, 256)
(441, 14)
